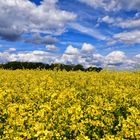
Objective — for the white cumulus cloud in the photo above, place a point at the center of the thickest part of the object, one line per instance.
(70, 50)
(72, 55)
(23, 16)
(86, 47)
(51, 47)
(115, 58)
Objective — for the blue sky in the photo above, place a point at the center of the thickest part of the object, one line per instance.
(102, 33)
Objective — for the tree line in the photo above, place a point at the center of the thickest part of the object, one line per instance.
(34, 65)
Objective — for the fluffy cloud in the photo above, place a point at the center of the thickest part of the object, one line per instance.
(105, 4)
(38, 39)
(115, 58)
(107, 19)
(10, 50)
(72, 55)
(137, 56)
(51, 47)
(68, 59)
(71, 50)
(132, 37)
(113, 5)
(119, 60)
(131, 23)
(22, 16)
(137, 60)
(119, 22)
(116, 21)
(88, 48)
(30, 56)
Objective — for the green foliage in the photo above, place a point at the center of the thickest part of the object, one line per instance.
(33, 65)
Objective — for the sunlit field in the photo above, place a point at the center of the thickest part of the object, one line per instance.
(52, 105)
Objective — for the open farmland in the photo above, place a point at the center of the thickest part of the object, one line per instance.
(45, 105)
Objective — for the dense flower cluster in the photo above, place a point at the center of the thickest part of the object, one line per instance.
(54, 105)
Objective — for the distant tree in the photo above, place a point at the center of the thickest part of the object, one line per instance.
(78, 67)
(93, 69)
(57, 66)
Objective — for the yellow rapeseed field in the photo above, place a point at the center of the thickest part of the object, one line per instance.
(60, 105)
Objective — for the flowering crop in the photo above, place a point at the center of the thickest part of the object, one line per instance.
(50, 105)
